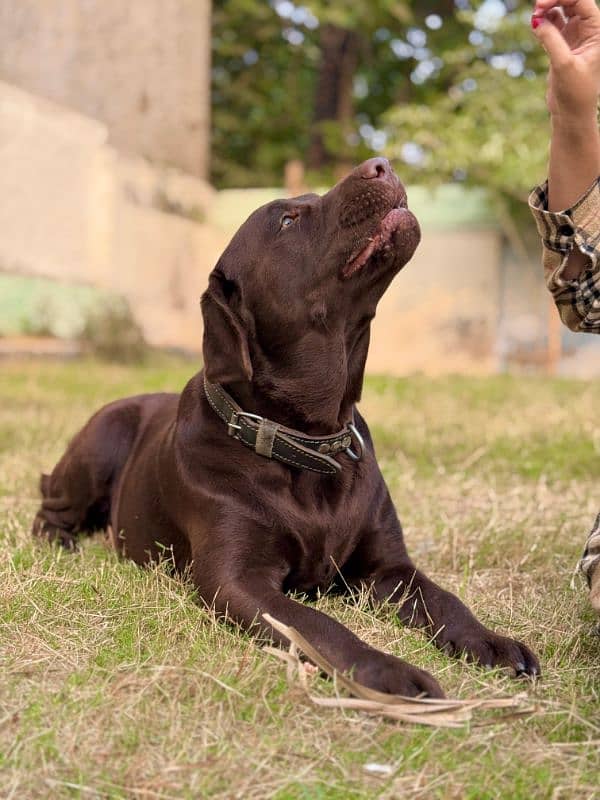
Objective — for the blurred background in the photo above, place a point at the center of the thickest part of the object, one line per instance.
(136, 137)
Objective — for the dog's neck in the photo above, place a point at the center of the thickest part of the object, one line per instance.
(318, 414)
(317, 397)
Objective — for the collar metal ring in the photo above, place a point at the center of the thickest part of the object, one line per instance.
(359, 440)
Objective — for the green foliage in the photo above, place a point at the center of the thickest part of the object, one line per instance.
(261, 94)
(488, 127)
(467, 88)
(265, 69)
(366, 17)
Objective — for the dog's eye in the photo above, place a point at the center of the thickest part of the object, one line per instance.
(287, 220)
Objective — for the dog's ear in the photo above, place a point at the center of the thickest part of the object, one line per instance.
(225, 341)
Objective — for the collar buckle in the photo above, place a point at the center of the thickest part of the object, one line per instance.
(232, 425)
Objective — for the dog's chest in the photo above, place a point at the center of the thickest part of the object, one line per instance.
(317, 525)
(318, 551)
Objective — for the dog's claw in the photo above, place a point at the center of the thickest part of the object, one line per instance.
(523, 671)
(492, 651)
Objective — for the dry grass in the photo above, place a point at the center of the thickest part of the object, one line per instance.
(114, 683)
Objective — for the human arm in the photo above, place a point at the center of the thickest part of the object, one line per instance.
(567, 209)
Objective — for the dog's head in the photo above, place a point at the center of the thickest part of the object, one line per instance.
(294, 292)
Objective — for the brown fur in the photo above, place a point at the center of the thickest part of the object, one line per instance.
(287, 334)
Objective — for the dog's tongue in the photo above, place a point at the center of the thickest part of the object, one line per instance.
(383, 234)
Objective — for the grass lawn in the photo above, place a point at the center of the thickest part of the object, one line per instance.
(114, 683)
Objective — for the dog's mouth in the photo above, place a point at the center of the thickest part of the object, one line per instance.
(381, 241)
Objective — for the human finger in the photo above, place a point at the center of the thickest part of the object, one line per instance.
(556, 17)
(552, 41)
(585, 9)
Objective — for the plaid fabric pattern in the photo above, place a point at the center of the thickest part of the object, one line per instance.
(590, 563)
(578, 300)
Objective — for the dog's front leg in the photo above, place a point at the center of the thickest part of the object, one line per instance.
(422, 603)
(246, 599)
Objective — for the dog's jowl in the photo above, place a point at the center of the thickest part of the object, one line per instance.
(262, 474)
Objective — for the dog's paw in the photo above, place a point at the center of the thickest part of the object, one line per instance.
(391, 675)
(42, 529)
(490, 650)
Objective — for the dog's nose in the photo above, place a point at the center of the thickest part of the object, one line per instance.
(374, 168)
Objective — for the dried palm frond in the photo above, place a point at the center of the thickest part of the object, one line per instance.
(445, 713)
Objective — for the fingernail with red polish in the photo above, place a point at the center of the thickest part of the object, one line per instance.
(535, 21)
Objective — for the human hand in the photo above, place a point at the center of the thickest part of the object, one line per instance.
(569, 31)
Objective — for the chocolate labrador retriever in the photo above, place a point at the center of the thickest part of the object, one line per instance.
(262, 474)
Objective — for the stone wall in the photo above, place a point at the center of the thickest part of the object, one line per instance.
(74, 209)
(54, 192)
(141, 67)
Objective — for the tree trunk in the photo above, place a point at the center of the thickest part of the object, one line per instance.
(333, 100)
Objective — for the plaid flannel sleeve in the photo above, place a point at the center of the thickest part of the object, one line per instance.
(578, 300)
(590, 564)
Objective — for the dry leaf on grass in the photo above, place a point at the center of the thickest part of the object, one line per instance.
(423, 711)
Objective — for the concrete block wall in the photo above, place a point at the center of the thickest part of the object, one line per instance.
(54, 187)
(141, 67)
(75, 209)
